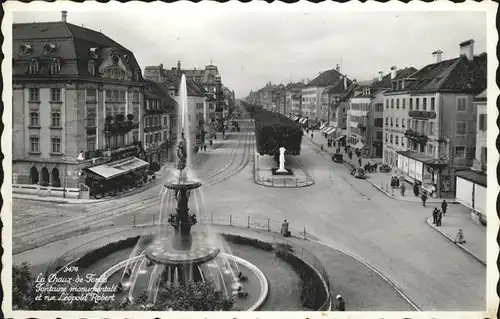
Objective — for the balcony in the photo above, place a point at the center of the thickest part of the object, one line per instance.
(91, 130)
(417, 137)
(422, 114)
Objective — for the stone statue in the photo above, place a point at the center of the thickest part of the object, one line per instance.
(182, 153)
(282, 169)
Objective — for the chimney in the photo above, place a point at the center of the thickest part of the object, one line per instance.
(337, 68)
(64, 15)
(179, 66)
(354, 81)
(437, 54)
(394, 70)
(345, 82)
(171, 90)
(467, 49)
(380, 76)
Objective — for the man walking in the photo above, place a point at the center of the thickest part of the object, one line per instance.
(434, 215)
(444, 206)
(439, 217)
(341, 304)
(424, 198)
(403, 189)
(284, 229)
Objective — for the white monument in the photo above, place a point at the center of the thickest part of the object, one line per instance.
(282, 169)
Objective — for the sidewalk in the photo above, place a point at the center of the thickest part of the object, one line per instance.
(380, 180)
(474, 234)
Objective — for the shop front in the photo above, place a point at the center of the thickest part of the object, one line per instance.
(471, 192)
(422, 170)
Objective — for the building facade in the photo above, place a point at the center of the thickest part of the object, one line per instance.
(335, 104)
(439, 118)
(68, 82)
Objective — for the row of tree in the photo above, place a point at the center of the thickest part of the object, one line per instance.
(274, 130)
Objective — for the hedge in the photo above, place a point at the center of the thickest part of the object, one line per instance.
(97, 254)
(312, 292)
(240, 240)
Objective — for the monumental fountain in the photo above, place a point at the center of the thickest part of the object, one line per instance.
(181, 252)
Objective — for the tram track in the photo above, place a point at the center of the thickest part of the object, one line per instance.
(32, 238)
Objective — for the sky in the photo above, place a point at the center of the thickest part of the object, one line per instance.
(252, 48)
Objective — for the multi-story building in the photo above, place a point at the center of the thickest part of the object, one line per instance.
(69, 85)
(471, 184)
(439, 119)
(293, 98)
(158, 111)
(335, 103)
(312, 106)
(366, 108)
(280, 99)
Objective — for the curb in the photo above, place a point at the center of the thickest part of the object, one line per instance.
(429, 222)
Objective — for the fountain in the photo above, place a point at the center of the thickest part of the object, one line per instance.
(180, 252)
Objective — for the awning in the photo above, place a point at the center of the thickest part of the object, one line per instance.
(322, 126)
(304, 120)
(359, 145)
(340, 137)
(471, 176)
(296, 118)
(117, 168)
(429, 160)
(330, 130)
(324, 129)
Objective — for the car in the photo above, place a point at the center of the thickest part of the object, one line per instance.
(358, 172)
(338, 158)
(385, 168)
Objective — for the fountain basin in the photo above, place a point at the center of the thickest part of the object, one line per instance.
(257, 285)
(182, 184)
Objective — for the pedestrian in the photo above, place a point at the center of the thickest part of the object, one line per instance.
(284, 229)
(211, 143)
(333, 141)
(403, 189)
(439, 217)
(341, 304)
(434, 215)
(415, 189)
(359, 161)
(205, 147)
(312, 135)
(424, 198)
(460, 237)
(444, 206)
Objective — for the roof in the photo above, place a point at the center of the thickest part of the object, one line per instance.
(386, 82)
(481, 96)
(193, 88)
(422, 157)
(154, 91)
(298, 85)
(472, 176)
(73, 44)
(459, 74)
(338, 87)
(326, 78)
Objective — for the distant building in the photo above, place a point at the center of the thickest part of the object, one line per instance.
(67, 81)
(293, 98)
(439, 120)
(335, 104)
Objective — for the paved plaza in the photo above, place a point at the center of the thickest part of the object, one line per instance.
(389, 236)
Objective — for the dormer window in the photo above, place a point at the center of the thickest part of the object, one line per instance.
(126, 57)
(115, 59)
(394, 85)
(26, 49)
(95, 52)
(34, 65)
(49, 49)
(91, 68)
(136, 75)
(55, 66)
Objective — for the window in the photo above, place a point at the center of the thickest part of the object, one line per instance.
(33, 67)
(387, 121)
(417, 103)
(404, 104)
(91, 144)
(34, 94)
(392, 103)
(109, 95)
(34, 118)
(91, 117)
(122, 96)
(91, 95)
(411, 104)
(55, 95)
(135, 111)
(431, 128)
(34, 144)
(397, 103)
(416, 126)
(424, 104)
(391, 139)
(189, 117)
(386, 137)
(484, 155)
(56, 118)
(460, 151)
(482, 122)
(409, 123)
(403, 122)
(461, 128)
(135, 136)
(135, 97)
(165, 135)
(431, 150)
(433, 103)
(397, 122)
(424, 131)
(391, 121)
(397, 139)
(471, 152)
(462, 104)
(115, 96)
